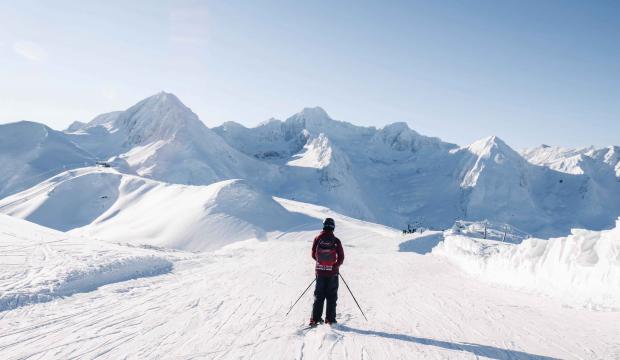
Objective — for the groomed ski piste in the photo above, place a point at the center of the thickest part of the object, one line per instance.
(96, 292)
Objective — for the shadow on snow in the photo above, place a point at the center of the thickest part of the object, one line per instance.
(421, 245)
(476, 349)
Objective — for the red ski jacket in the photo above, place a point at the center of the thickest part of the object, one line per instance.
(339, 251)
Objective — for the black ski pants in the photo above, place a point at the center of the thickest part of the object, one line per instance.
(326, 289)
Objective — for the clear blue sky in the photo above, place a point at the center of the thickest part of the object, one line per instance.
(530, 72)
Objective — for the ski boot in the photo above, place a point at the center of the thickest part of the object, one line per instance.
(314, 323)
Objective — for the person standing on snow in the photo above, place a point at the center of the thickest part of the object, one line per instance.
(328, 253)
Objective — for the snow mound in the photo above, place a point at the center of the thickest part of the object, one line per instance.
(106, 204)
(193, 218)
(40, 264)
(488, 230)
(239, 211)
(582, 268)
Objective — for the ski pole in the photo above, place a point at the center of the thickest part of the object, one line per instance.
(350, 292)
(300, 296)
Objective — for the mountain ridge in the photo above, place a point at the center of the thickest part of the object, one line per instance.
(391, 175)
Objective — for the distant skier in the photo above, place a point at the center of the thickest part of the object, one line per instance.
(328, 253)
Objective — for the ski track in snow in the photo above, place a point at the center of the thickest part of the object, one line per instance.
(230, 304)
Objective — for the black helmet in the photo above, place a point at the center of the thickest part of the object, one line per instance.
(329, 224)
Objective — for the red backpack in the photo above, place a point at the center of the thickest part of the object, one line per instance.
(326, 253)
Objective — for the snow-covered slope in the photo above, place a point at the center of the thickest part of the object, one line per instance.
(231, 304)
(32, 152)
(557, 158)
(496, 184)
(582, 268)
(323, 174)
(271, 141)
(361, 171)
(106, 204)
(40, 264)
(590, 161)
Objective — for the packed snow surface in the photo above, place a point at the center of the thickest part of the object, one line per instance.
(582, 268)
(231, 304)
(39, 264)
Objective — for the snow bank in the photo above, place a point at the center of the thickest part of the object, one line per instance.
(40, 264)
(582, 268)
(86, 277)
(488, 230)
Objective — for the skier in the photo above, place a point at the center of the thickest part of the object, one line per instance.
(328, 253)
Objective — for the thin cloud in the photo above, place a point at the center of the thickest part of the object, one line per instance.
(30, 51)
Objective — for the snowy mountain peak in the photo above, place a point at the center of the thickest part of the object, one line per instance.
(314, 119)
(488, 163)
(570, 161)
(75, 126)
(26, 126)
(161, 101)
(398, 136)
(314, 113)
(492, 146)
(398, 126)
(158, 117)
(165, 98)
(612, 152)
(21, 135)
(267, 122)
(488, 141)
